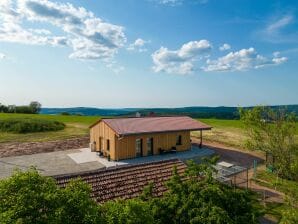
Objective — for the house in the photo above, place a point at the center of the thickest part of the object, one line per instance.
(123, 138)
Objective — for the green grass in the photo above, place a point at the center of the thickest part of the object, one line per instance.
(218, 123)
(227, 132)
(288, 187)
(76, 126)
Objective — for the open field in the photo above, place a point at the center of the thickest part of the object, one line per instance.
(227, 132)
(76, 126)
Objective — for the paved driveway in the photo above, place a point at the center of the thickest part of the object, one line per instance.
(80, 160)
(52, 163)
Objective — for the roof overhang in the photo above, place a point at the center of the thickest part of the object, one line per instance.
(159, 132)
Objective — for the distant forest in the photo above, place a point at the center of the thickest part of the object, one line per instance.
(33, 108)
(197, 112)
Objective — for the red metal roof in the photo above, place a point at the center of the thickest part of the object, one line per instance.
(142, 125)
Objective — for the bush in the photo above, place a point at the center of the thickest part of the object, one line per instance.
(29, 125)
(65, 113)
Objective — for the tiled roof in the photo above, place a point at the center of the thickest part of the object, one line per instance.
(127, 126)
(128, 181)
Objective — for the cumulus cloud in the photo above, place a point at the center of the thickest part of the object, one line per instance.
(89, 36)
(242, 60)
(180, 61)
(138, 45)
(225, 47)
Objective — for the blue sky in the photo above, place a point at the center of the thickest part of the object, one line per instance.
(150, 53)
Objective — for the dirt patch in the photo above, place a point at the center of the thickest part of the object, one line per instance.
(233, 155)
(28, 148)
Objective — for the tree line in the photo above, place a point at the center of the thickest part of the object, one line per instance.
(33, 108)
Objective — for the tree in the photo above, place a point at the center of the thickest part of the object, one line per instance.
(76, 204)
(199, 199)
(133, 211)
(28, 197)
(273, 132)
(3, 108)
(35, 107)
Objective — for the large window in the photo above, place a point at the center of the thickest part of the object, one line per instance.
(179, 140)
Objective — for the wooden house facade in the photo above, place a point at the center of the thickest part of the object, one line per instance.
(124, 138)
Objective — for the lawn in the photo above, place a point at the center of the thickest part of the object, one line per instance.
(76, 126)
(227, 132)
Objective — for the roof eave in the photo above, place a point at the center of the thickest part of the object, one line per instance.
(156, 132)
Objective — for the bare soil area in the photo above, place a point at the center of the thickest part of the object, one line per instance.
(28, 148)
(233, 155)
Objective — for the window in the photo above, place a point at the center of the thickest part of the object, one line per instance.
(108, 144)
(179, 140)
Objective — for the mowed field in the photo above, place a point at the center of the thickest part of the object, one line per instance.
(227, 132)
(76, 126)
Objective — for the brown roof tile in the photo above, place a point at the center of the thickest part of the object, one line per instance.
(128, 181)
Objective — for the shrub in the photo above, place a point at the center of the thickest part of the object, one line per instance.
(65, 113)
(29, 125)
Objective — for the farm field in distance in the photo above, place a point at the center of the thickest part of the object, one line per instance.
(76, 126)
(227, 132)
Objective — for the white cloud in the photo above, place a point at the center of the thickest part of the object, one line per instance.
(242, 60)
(90, 37)
(170, 2)
(180, 61)
(225, 47)
(138, 45)
(2, 56)
(277, 30)
(179, 2)
(275, 26)
(115, 67)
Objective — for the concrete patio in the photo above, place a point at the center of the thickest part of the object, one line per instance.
(80, 160)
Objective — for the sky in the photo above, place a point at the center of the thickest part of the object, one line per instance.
(148, 53)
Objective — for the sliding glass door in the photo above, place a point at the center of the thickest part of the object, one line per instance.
(149, 146)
